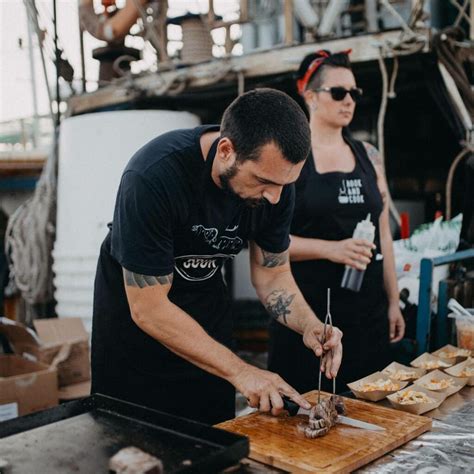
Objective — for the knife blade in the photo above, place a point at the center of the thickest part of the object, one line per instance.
(294, 409)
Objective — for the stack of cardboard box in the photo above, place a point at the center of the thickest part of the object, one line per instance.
(47, 365)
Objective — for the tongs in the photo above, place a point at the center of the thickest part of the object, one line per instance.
(288, 404)
(294, 409)
(327, 321)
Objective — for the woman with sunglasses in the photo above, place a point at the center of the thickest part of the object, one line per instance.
(341, 183)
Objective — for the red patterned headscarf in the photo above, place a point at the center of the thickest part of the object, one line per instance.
(315, 61)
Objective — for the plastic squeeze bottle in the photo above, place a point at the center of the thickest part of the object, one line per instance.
(352, 278)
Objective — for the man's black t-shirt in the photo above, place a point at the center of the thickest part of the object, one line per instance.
(170, 217)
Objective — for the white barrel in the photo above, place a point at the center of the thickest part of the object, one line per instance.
(93, 152)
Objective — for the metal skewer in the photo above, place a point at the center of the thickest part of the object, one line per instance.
(327, 320)
(319, 380)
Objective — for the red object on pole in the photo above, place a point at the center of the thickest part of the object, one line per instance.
(404, 225)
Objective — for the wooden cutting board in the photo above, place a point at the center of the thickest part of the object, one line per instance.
(276, 441)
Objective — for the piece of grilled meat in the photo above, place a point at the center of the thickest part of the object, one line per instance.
(323, 417)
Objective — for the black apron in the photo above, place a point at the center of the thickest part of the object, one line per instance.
(328, 207)
(131, 365)
(208, 227)
(121, 370)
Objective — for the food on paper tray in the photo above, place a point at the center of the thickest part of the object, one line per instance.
(411, 397)
(401, 374)
(434, 364)
(467, 371)
(380, 384)
(452, 353)
(438, 384)
(322, 417)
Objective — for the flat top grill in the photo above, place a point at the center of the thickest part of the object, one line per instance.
(82, 436)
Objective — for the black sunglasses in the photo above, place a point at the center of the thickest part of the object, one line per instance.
(339, 93)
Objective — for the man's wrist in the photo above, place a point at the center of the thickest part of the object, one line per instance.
(235, 369)
(312, 322)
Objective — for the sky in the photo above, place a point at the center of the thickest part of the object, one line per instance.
(16, 91)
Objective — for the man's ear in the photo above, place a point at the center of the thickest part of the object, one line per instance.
(225, 150)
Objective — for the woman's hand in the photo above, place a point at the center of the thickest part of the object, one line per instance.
(353, 252)
(397, 323)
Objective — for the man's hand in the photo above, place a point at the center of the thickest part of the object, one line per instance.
(397, 323)
(264, 389)
(331, 352)
(353, 252)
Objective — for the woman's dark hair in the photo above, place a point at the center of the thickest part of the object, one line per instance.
(263, 116)
(328, 60)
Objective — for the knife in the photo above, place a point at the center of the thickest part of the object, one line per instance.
(294, 409)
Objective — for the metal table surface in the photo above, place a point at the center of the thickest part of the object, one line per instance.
(447, 448)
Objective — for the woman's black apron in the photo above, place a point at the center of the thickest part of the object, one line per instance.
(328, 207)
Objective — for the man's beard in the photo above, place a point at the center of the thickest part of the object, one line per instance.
(225, 178)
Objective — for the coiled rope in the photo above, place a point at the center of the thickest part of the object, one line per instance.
(29, 237)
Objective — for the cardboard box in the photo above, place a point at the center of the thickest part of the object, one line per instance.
(75, 391)
(25, 386)
(62, 343)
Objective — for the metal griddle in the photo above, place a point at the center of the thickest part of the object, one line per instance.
(81, 436)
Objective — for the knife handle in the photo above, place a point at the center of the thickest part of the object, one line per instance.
(290, 406)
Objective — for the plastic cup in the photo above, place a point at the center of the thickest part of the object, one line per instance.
(465, 331)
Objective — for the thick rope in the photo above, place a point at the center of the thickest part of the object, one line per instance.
(29, 238)
(381, 124)
(409, 43)
(449, 182)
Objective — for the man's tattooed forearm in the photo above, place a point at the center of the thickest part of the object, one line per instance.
(271, 260)
(142, 281)
(278, 304)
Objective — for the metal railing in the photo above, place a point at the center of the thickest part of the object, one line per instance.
(27, 134)
(423, 322)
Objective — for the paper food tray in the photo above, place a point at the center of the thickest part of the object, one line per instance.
(376, 395)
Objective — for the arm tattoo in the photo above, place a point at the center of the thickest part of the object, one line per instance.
(142, 281)
(277, 304)
(271, 260)
(373, 154)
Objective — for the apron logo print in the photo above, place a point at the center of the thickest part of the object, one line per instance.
(199, 267)
(350, 192)
(200, 263)
(212, 238)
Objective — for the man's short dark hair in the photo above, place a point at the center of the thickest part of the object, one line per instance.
(263, 116)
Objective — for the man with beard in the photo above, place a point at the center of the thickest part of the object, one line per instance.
(187, 202)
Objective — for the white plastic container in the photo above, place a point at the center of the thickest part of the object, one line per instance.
(93, 151)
